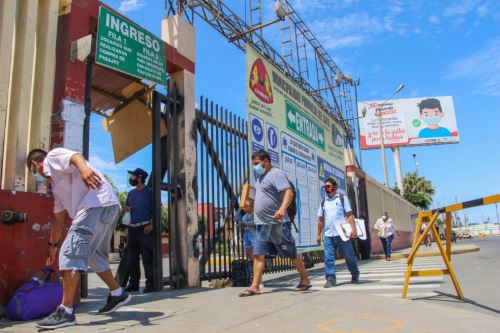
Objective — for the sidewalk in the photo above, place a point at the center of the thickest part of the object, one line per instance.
(429, 251)
(278, 309)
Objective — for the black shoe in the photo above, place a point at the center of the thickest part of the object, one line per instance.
(355, 279)
(115, 302)
(330, 283)
(130, 288)
(58, 319)
(148, 290)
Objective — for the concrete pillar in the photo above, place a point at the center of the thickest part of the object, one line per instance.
(397, 168)
(16, 140)
(7, 10)
(184, 230)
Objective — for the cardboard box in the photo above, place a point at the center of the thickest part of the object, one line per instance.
(247, 198)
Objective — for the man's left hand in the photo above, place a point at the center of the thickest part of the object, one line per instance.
(148, 229)
(354, 234)
(280, 214)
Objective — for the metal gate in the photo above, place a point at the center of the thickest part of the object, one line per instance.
(223, 168)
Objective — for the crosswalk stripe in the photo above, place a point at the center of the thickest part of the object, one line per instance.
(361, 287)
(409, 295)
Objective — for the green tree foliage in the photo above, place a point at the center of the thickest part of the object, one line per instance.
(417, 190)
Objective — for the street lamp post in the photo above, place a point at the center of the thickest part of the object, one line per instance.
(381, 134)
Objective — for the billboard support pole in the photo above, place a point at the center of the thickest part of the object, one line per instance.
(382, 148)
(397, 168)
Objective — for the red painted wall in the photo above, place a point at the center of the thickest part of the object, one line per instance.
(24, 246)
(400, 242)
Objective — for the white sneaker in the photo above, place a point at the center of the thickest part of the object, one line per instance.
(261, 287)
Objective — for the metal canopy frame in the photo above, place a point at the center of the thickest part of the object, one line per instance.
(332, 87)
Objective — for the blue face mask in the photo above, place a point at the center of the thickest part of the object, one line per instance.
(39, 178)
(259, 169)
(432, 120)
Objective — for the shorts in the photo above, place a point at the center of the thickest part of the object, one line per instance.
(249, 237)
(88, 240)
(275, 239)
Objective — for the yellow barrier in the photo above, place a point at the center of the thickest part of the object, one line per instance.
(431, 216)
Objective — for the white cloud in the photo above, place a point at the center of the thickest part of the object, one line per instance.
(481, 67)
(130, 5)
(101, 164)
(460, 7)
(433, 19)
(343, 42)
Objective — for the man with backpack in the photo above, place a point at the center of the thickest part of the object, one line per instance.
(273, 195)
(333, 215)
(83, 193)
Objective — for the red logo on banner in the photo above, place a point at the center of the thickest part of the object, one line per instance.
(260, 83)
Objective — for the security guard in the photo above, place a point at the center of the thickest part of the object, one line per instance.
(140, 232)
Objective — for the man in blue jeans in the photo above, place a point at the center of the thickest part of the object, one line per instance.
(334, 211)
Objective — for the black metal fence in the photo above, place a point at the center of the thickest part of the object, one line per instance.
(223, 169)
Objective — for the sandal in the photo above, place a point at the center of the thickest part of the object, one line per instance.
(302, 287)
(248, 293)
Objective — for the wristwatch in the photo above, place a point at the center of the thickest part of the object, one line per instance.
(53, 244)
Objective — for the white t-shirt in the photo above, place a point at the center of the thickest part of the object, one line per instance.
(70, 192)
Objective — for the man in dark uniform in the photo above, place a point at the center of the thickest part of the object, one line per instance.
(140, 231)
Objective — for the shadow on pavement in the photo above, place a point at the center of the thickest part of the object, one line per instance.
(450, 298)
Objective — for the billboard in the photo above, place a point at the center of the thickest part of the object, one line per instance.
(302, 140)
(409, 122)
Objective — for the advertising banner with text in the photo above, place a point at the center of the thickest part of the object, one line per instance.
(409, 122)
(302, 140)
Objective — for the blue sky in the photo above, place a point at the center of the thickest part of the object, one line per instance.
(436, 48)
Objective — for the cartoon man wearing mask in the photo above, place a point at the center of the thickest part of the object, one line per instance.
(431, 113)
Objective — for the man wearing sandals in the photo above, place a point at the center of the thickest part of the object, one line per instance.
(273, 227)
(82, 192)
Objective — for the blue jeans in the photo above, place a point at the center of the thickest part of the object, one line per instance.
(386, 244)
(330, 245)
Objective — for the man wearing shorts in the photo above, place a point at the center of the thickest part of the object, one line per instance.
(82, 192)
(273, 227)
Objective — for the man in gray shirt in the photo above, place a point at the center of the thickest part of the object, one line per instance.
(274, 232)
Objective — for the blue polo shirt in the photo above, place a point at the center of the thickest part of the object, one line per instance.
(141, 204)
(333, 213)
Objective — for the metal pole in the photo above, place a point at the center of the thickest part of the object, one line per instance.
(359, 129)
(416, 163)
(397, 165)
(84, 285)
(382, 148)
(156, 189)
(496, 207)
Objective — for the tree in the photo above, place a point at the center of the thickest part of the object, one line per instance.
(417, 190)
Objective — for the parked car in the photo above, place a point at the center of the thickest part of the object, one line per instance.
(466, 235)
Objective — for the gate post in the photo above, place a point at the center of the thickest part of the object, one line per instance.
(184, 249)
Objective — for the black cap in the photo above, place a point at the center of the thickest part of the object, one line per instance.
(139, 172)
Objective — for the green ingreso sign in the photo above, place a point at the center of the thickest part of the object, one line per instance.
(124, 46)
(303, 125)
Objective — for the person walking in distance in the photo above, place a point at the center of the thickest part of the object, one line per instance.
(386, 228)
(273, 195)
(89, 200)
(140, 231)
(332, 213)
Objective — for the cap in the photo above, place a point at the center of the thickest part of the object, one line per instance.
(139, 172)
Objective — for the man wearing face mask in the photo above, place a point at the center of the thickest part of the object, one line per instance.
(83, 193)
(273, 236)
(332, 213)
(140, 231)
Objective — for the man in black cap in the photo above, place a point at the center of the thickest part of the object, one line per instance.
(140, 233)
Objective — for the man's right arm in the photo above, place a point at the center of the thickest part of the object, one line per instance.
(321, 225)
(57, 227)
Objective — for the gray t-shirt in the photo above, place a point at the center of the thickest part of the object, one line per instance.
(270, 191)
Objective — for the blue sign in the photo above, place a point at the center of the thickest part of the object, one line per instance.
(327, 170)
(257, 129)
(272, 137)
